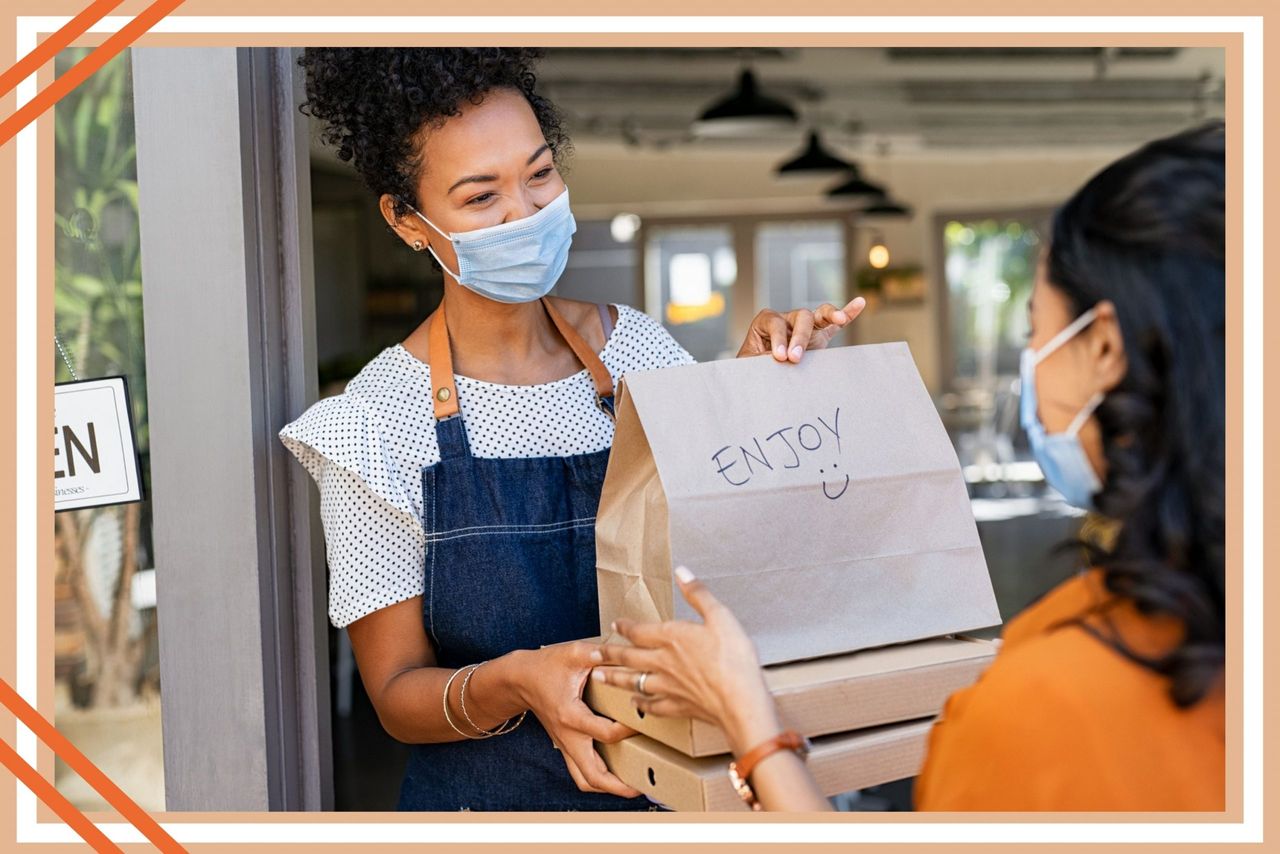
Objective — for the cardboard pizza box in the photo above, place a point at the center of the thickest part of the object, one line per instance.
(826, 695)
(840, 763)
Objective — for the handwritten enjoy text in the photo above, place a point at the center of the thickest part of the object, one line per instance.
(781, 449)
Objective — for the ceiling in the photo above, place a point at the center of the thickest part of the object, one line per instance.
(911, 98)
(929, 102)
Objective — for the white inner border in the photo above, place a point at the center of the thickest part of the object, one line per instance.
(28, 341)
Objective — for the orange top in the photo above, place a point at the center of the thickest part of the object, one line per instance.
(1061, 721)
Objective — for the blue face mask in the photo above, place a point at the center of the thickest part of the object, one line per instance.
(517, 261)
(1061, 456)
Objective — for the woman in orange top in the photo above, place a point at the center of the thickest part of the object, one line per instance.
(1106, 694)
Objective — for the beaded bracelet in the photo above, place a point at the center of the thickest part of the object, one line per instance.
(503, 728)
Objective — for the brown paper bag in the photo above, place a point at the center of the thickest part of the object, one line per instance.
(822, 502)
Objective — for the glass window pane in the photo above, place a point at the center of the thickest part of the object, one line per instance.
(105, 659)
(689, 274)
(800, 265)
(990, 267)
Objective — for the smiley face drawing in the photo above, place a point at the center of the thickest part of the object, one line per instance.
(828, 488)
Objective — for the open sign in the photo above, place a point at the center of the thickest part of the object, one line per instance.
(94, 450)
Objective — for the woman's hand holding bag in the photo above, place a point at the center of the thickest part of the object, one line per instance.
(787, 335)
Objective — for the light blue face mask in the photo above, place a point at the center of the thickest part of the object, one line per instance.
(1061, 456)
(517, 261)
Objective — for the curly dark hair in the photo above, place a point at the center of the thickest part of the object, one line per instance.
(374, 101)
(1147, 234)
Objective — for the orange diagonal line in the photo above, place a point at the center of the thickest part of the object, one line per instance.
(45, 791)
(45, 51)
(77, 761)
(100, 56)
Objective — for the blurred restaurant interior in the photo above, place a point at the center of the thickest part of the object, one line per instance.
(710, 183)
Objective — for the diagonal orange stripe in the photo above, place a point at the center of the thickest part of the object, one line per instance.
(67, 33)
(45, 791)
(77, 761)
(100, 56)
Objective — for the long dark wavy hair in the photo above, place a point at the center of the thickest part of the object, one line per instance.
(1146, 233)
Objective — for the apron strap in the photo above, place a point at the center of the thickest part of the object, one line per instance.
(444, 394)
(599, 373)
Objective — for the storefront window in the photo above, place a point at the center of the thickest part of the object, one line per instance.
(990, 266)
(689, 275)
(800, 264)
(107, 669)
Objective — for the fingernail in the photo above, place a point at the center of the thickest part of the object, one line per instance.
(684, 574)
(841, 316)
(596, 656)
(613, 627)
(597, 675)
(797, 351)
(860, 301)
(780, 351)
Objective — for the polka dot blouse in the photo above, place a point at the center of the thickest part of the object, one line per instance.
(366, 448)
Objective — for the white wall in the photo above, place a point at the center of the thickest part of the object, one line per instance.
(607, 178)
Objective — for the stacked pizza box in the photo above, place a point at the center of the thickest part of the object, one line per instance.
(868, 714)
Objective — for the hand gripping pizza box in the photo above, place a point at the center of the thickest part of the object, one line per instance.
(839, 763)
(826, 695)
(821, 501)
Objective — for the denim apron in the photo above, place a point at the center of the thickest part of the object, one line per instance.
(510, 564)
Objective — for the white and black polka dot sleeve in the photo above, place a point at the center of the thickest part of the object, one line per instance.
(366, 449)
(375, 556)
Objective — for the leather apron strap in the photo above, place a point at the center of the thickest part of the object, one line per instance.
(588, 357)
(444, 393)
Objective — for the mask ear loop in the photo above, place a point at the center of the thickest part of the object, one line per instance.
(1083, 415)
(443, 266)
(1068, 332)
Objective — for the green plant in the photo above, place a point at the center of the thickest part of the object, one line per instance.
(98, 318)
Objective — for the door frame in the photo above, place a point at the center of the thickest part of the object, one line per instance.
(225, 201)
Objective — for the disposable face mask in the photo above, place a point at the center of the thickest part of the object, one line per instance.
(1061, 457)
(516, 261)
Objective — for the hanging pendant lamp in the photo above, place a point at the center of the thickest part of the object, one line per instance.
(883, 205)
(856, 185)
(744, 112)
(887, 207)
(814, 162)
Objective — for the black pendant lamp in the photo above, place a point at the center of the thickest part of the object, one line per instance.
(815, 161)
(744, 111)
(856, 185)
(886, 207)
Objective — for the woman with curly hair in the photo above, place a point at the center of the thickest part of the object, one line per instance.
(460, 470)
(1108, 693)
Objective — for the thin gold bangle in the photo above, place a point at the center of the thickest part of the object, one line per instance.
(445, 704)
(503, 728)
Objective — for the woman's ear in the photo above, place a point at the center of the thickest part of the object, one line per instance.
(407, 230)
(1106, 344)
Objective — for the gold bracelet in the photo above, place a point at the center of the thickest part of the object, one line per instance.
(503, 728)
(449, 717)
